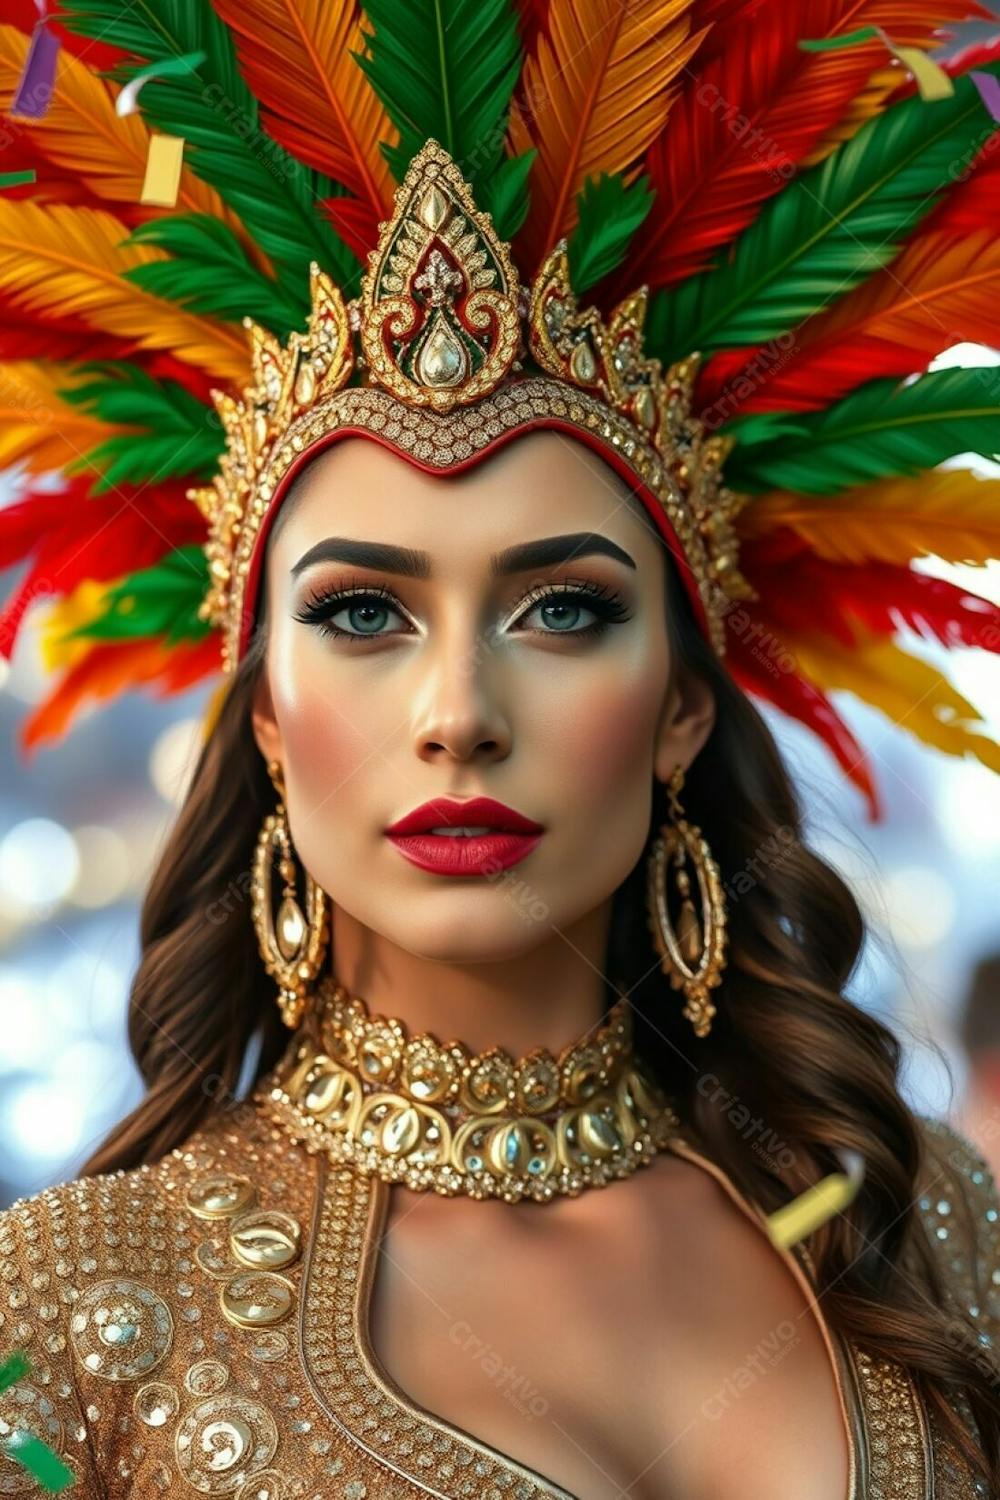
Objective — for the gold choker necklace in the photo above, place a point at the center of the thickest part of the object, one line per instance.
(434, 1115)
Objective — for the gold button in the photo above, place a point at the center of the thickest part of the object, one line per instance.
(255, 1299)
(265, 1239)
(220, 1195)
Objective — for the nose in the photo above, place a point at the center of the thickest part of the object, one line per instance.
(457, 713)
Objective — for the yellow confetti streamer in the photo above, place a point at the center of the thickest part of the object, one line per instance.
(831, 1195)
(163, 170)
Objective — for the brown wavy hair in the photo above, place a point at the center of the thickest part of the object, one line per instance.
(786, 1042)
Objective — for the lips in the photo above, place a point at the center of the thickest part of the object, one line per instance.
(473, 812)
(511, 836)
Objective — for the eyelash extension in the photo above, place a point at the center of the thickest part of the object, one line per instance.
(607, 603)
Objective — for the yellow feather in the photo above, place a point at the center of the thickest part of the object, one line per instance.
(947, 513)
(68, 260)
(78, 608)
(36, 427)
(910, 691)
(81, 133)
(596, 93)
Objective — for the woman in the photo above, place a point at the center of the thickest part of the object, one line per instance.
(484, 802)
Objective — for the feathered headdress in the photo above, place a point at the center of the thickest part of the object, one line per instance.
(719, 241)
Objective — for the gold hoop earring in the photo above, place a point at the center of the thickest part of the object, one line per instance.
(292, 948)
(693, 960)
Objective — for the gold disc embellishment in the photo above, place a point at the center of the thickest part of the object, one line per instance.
(265, 1239)
(222, 1440)
(121, 1330)
(256, 1299)
(220, 1195)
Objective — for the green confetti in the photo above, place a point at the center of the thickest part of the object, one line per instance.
(849, 39)
(41, 1462)
(14, 179)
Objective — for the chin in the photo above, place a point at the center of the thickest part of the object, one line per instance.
(466, 927)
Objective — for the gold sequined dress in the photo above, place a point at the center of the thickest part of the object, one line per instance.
(201, 1326)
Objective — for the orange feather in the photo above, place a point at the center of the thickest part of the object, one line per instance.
(112, 668)
(69, 260)
(940, 291)
(81, 134)
(597, 91)
(36, 427)
(946, 513)
(296, 57)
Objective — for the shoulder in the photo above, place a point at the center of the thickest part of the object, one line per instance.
(960, 1211)
(107, 1279)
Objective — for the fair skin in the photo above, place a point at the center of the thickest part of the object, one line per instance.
(470, 687)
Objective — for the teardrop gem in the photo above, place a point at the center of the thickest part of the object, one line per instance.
(644, 406)
(510, 1148)
(598, 1135)
(291, 928)
(443, 359)
(401, 1132)
(433, 208)
(582, 364)
(689, 933)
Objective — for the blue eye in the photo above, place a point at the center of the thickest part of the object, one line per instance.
(368, 608)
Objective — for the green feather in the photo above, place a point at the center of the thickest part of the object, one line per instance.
(827, 231)
(275, 195)
(173, 432)
(161, 600)
(608, 215)
(881, 429)
(210, 273)
(447, 69)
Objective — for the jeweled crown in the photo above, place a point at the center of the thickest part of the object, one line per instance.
(441, 322)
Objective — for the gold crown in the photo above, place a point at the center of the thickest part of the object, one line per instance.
(441, 325)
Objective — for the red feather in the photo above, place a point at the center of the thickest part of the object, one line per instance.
(22, 336)
(112, 668)
(799, 698)
(532, 18)
(356, 221)
(747, 119)
(722, 16)
(71, 537)
(807, 593)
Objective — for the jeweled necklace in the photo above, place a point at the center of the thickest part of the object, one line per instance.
(436, 1116)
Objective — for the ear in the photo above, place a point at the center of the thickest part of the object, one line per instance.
(685, 724)
(265, 724)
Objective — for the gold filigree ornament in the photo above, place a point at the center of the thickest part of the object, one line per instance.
(443, 356)
(346, 1087)
(692, 956)
(293, 945)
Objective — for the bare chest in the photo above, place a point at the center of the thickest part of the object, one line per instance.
(614, 1353)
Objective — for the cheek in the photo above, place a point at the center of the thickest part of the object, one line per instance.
(327, 736)
(600, 733)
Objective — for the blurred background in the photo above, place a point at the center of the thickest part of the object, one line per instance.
(81, 825)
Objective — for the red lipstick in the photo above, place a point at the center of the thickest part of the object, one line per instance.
(500, 836)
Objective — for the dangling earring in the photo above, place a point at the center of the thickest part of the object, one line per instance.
(293, 948)
(692, 960)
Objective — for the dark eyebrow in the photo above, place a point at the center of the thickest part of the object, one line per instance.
(544, 552)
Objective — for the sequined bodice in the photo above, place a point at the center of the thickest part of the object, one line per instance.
(199, 1326)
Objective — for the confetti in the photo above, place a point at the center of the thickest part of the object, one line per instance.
(36, 85)
(14, 179)
(166, 152)
(831, 1195)
(989, 90)
(41, 1462)
(932, 81)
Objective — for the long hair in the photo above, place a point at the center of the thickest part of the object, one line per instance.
(786, 1044)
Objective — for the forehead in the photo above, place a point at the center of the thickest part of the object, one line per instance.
(538, 485)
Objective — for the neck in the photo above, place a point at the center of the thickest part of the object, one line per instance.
(548, 997)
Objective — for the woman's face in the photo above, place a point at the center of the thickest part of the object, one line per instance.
(457, 664)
